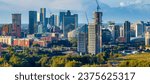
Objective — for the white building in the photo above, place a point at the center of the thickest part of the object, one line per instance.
(7, 40)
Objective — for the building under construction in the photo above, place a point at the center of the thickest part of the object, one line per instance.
(95, 33)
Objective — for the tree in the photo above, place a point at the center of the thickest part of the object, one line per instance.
(36, 45)
(73, 64)
(100, 58)
(43, 61)
(10, 50)
(73, 41)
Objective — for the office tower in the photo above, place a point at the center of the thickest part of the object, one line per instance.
(116, 32)
(95, 34)
(70, 22)
(43, 18)
(106, 36)
(47, 23)
(147, 26)
(38, 17)
(121, 31)
(61, 15)
(0, 50)
(127, 31)
(82, 39)
(52, 20)
(139, 29)
(6, 30)
(111, 27)
(16, 25)
(42, 15)
(32, 22)
(40, 29)
(147, 38)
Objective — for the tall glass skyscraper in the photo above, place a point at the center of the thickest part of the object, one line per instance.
(43, 18)
(32, 22)
(127, 31)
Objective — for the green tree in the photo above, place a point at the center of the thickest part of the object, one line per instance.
(101, 58)
(73, 41)
(73, 64)
(43, 61)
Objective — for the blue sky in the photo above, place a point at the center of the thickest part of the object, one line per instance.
(7, 7)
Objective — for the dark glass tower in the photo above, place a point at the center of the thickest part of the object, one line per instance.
(32, 22)
(127, 31)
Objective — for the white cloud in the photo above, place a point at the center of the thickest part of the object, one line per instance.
(131, 2)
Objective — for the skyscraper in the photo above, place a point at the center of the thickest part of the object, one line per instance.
(70, 22)
(61, 15)
(95, 34)
(32, 22)
(116, 32)
(43, 18)
(42, 15)
(147, 38)
(82, 39)
(127, 31)
(139, 29)
(0, 50)
(16, 25)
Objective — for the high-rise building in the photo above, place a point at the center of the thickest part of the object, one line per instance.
(106, 36)
(43, 18)
(42, 15)
(139, 29)
(111, 26)
(40, 29)
(116, 32)
(52, 20)
(6, 30)
(95, 34)
(147, 38)
(61, 15)
(82, 39)
(16, 25)
(70, 22)
(0, 50)
(32, 22)
(127, 31)
(121, 31)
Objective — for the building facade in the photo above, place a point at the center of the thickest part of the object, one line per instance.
(6, 30)
(147, 38)
(139, 29)
(82, 39)
(70, 22)
(16, 25)
(127, 31)
(43, 18)
(22, 42)
(7, 40)
(32, 22)
(95, 35)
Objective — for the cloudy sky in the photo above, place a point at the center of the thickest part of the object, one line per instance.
(7, 7)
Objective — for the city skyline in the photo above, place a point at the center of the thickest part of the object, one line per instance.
(118, 10)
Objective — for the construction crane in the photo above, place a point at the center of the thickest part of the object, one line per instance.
(98, 6)
(86, 17)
